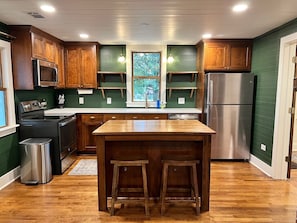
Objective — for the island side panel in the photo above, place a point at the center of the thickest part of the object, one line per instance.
(206, 172)
(101, 173)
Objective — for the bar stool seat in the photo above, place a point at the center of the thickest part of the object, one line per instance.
(193, 187)
(115, 182)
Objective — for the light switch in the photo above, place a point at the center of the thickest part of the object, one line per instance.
(108, 100)
(181, 101)
(81, 100)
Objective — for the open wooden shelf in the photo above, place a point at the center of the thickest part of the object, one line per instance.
(104, 73)
(193, 73)
(192, 89)
(112, 88)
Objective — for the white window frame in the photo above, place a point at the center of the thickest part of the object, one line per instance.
(5, 51)
(145, 48)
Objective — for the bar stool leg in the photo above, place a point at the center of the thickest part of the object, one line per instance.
(114, 192)
(196, 191)
(164, 187)
(145, 190)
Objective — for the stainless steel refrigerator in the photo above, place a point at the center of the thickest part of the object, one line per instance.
(229, 106)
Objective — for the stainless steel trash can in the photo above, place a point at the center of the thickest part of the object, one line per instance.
(35, 161)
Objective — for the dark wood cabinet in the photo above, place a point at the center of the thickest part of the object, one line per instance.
(30, 43)
(59, 60)
(87, 123)
(224, 55)
(146, 116)
(43, 48)
(81, 60)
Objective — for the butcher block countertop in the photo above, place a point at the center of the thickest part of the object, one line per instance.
(132, 127)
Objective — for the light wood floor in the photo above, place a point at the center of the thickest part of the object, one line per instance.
(239, 193)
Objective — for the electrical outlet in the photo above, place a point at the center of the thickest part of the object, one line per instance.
(81, 100)
(108, 100)
(263, 147)
(181, 101)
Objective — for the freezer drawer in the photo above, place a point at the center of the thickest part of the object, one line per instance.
(232, 124)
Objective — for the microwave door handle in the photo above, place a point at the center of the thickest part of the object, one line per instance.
(56, 72)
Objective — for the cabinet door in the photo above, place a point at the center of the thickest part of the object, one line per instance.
(60, 62)
(215, 56)
(240, 56)
(43, 48)
(49, 50)
(72, 61)
(88, 67)
(89, 122)
(37, 46)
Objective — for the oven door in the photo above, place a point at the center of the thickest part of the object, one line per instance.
(67, 136)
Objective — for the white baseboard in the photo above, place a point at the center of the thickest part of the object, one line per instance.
(9, 177)
(264, 167)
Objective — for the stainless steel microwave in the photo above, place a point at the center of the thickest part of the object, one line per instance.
(45, 73)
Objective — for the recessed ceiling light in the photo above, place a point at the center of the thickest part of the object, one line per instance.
(84, 36)
(47, 8)
(240, 7)
(206, 36)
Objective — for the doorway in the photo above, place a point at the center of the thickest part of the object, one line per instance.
(292, 156)
(282, 123)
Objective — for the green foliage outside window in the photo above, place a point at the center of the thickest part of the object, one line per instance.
(146, 76)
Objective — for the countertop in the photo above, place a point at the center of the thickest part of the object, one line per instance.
(71, 111)
(128, 127)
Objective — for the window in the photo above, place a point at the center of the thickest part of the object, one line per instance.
(7, 109)
(142, 82)
(146, 72)
(3, 121)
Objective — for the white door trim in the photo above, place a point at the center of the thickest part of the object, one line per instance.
(282, 122)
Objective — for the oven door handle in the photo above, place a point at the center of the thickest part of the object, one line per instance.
(67, 121)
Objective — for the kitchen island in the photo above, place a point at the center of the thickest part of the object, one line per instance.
(154, 140)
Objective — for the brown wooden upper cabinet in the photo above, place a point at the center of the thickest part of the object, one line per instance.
(43, 48)
(81, 64)
(32, 43)
(224, 55)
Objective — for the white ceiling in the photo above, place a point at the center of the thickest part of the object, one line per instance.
(150, 21)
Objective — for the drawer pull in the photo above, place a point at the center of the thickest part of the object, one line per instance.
(113, 117)
(134, 117)
(156, 117)
(92, 117)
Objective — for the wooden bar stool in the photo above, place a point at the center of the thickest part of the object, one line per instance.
(193, 187)
(115, 182)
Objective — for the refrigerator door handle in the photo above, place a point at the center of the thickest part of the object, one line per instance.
(210, 93)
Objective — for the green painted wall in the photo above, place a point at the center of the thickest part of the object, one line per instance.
(265, 66)
(184, 60)
(9, 153)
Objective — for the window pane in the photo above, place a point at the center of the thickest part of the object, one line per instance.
(146, 76)
(146, 64)
(2, 109)
(146, 88)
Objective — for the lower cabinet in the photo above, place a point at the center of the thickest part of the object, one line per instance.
(87, 123)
